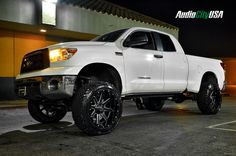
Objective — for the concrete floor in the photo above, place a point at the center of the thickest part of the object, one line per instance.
(179, 129)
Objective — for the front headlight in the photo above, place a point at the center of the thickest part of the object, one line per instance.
(61, 54)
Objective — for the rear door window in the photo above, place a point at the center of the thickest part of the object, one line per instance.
(157, 39)
(167, 43)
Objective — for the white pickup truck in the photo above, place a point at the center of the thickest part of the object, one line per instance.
(92, 78)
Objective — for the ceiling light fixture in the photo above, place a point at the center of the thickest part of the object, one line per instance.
(43, 30)
(50, 1)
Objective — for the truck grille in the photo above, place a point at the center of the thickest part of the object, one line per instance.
(36, 60)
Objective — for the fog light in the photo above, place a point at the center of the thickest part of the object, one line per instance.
(53, 85)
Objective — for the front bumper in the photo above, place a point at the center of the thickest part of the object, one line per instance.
(46, 87)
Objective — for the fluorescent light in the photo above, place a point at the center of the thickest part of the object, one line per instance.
(50, 1)
(48, 13)
(43, 30)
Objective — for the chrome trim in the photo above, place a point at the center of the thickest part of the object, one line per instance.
(65, 88)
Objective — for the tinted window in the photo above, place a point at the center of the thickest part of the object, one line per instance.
(167, 43)
(142, 35)
(110, 37)
(157, 39)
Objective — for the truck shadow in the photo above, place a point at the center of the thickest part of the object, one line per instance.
(69, 128)
(47, 127)
(62, 127)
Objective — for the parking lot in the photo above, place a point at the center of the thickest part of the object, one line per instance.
(179, 129)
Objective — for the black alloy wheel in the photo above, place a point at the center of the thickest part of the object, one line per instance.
(209, 98)
(97, 108)
(46, 112)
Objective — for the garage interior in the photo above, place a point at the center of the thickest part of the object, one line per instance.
(176, 130)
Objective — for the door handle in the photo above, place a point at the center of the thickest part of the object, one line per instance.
(158, 56)
(119, 53)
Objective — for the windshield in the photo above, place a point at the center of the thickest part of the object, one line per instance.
(110, 37)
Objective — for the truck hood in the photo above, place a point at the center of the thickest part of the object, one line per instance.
(75, 43)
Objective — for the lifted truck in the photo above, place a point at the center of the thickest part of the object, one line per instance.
(92, 78)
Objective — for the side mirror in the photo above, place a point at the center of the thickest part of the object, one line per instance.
(137, 39)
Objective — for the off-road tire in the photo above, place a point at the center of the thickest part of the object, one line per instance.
(97, 108)
(46, 113)
(209, 98)
(153, 103)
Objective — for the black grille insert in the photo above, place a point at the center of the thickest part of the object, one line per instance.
(36, 60)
